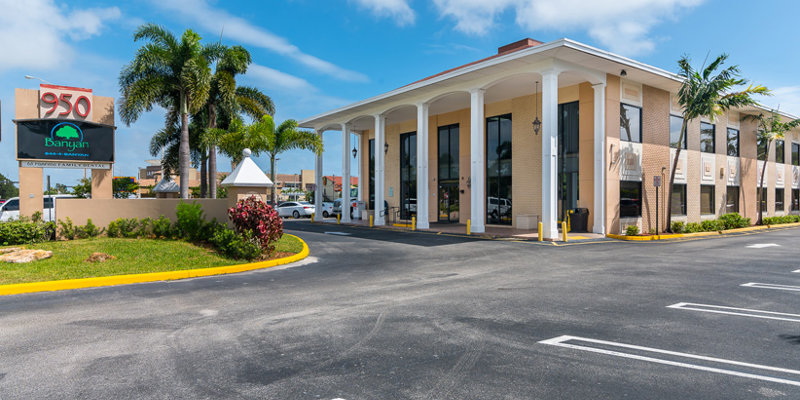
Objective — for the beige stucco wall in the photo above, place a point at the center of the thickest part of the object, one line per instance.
(103, 211)
(612, 153)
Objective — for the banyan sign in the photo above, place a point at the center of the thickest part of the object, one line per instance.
(59, 139)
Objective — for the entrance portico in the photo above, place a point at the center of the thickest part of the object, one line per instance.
(500, 171)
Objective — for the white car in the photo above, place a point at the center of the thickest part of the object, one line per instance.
(295, 209)
(327, 209)
(10, 209)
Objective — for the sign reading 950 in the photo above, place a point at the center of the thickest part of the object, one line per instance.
(64, 102)
(62, 139)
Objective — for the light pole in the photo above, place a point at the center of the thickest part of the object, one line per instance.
(36, 77)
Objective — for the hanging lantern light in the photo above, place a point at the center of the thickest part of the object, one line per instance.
(355, 152)
(537, 124)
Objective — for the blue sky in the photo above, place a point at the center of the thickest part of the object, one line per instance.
(311, 56)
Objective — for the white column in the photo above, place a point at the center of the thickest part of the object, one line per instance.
(380, 139)
(477, 155)
(346, 205)
(549, 154)
(422, 166)
(599, 158)
(318, 185)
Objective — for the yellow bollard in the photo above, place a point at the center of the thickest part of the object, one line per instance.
(413, 223)
(469, 227)
(338, 216)
(313, 217)
(564, 230)
(370, 220)
(541, 234)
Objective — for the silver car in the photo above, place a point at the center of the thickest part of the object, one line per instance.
(295, 209)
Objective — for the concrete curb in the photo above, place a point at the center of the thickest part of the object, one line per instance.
(67, 284)
(700, 234)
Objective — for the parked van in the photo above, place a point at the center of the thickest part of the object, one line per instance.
(10, 209)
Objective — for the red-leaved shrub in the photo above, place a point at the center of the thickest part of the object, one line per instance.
(261, 220)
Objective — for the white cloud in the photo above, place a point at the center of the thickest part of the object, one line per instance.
(272, 78)
(786, 98)
(217, 20)
(623, 27)
(399, 10)
(35, 34)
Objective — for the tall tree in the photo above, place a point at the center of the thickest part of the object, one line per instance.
(170, 73)
(706, 94)
(768, 129)
(227, 99)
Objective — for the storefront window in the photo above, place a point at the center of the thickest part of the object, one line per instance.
(732, 199)
(630, 199)
(498, 170)
(779, 199)
(408, 175)
(795, 199)
(707, 199)
(679, 199)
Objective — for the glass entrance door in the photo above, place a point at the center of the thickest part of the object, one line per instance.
(408, 175)
(448, 202)
(568, 136)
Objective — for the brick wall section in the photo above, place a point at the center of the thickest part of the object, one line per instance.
(749, 177)
(612, 157)
(655, 153)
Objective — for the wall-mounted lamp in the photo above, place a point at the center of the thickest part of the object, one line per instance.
(385, 148)
(537, 124)
(721, 172)
(611, 155)
(623, 73)
(355, 152)
(469, 182)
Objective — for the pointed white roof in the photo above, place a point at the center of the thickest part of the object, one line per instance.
(166, 185)
(247, 174)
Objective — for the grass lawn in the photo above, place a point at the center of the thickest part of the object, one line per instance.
(134, 256)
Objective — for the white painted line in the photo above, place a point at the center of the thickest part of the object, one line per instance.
(744, 312)
(762, 245)
(796, 271)
(338, 233)
(559, 341)
(771, 286)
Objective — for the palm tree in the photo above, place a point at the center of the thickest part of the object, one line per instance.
(172, 74)
(705, 95)
(768, 129)
(262, 137)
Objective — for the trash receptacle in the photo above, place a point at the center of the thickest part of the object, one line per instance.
(579, 220)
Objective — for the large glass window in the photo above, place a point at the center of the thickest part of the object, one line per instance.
(733, 142)
(761, 145)
(675, 124)
(706, 137)
(795, 199)
(732, 199)
(780, 151)
(630, 123)
(679, 199)
(371, 174)
(630, 199)
(498, 170)
(795, 153)
(408, 175)
(448, 153)
(779, 199)
(707, 199)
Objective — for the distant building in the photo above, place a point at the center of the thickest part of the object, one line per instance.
(152, 174)
(332, 187)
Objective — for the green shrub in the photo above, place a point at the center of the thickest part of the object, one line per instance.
(677, 226)
(123, 228)
(734, 220)
(161, 228)
(692, 227)
(23, 231)
(37, 216)
(712, 225)
(631, 230)
(144, 229)
(189, 223)
(234, 245)
(67, 230)
(90, 230)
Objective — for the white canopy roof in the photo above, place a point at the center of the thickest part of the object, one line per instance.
(166, 185)
(247, 174)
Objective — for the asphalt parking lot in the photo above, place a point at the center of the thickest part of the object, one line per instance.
(392, 315)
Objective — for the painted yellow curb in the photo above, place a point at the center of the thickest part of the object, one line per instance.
(66, 284)
(696, 234)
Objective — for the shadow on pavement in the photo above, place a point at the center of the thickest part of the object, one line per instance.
(426, 239)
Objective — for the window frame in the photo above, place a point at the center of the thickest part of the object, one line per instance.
(713, 137)
(795, 200)
(712, 209)
(780, 156)
(682, 203)
(639, 188)
(780, 199)
(795, 153)
(727, 199)
(685, 133)
(738, 141)
(639, 109)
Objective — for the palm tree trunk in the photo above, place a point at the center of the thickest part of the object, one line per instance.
(212, 153)
(761, 188)
(272, 178)
(668, 189)
(183, 153)
(203, 177)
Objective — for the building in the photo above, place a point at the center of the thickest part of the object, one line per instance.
(332, 186)
(151, 175)
(538, 129)
(294, 186)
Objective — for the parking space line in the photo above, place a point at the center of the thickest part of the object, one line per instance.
(744, 312)
(796, 271)
(771, 286)
(560, 342)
